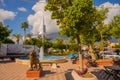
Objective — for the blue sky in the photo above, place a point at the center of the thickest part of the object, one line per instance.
(98, 2)
(14, 12)
(13, 5)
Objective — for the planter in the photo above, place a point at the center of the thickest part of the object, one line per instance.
(83, 77)
(33, 74)
(105, 62)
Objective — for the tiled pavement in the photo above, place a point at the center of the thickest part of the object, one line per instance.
(13, 71)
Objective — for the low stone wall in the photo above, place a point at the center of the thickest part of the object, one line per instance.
(27, 62)
(100, 62)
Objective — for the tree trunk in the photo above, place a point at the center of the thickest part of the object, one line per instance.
(80, 53)
(17, 41)
(102, 45)
(92, 52)
(119, 40)
(24, 36)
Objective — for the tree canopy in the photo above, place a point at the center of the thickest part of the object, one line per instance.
(18, 37)
(24, 25)
(115, 25)
(78, 18)
(4, 32)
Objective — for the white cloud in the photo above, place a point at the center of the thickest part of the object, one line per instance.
(5, 14)
(36, 20)
(22, 9)
(114, 9)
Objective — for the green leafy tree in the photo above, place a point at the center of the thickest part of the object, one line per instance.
(77, 19)
(57, 7)
(29, 37)
(59, 43)
(72, 44)
(47, 44)
(89, 39)
(115, 27)
(34, 41)
(7, 40)
(80, 18)
(4, 32)
(24, 25)
(103, 29)
(18, 37)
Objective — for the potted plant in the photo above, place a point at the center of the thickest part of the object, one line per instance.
(84, 75)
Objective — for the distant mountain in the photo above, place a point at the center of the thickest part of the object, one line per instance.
(114, 40)
(53, 36)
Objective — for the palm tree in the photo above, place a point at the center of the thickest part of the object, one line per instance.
(24, 25)
(29, 36)
(18, 37)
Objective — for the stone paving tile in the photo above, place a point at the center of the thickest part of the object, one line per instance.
(13, 71)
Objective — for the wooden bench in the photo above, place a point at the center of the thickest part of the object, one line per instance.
(48, 63)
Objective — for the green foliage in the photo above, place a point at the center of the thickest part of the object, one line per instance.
(116, 46)
(4, 32)
(115, 25)
(38, 43)
(18, 37)
(59, 41)
(103, 29)
(29, 36)
(90, 37)
(24, 25)
(106, 32)
(79, 19)
(57, 7)
(73, 47)
(34, 41)
(7, 41)
(47, 44)
(102, 15)
(59, 44)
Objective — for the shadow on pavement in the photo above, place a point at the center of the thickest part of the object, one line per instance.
(68, 75)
